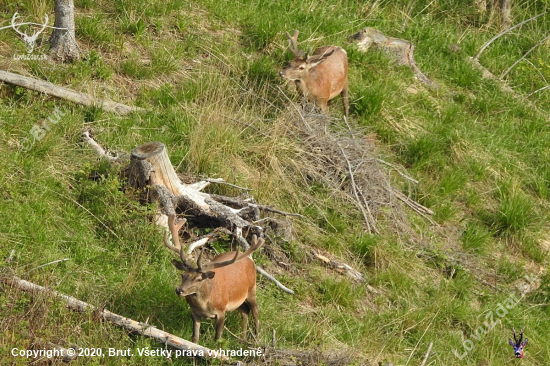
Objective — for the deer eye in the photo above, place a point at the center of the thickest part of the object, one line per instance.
(302, 67)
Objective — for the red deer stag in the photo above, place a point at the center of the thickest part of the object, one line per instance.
(227, 283)
(320, 76)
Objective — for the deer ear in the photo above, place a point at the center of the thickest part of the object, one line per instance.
(511, 342)
(179, 265)
(524, 343)
(208, 275)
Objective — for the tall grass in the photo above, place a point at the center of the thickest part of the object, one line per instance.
(207, 73)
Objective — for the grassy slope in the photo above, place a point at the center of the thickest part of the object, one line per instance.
(207, 72)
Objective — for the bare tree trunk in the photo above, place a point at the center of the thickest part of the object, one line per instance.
(63, 44)
(505, 7)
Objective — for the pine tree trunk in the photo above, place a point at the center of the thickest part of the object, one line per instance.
(63, 44)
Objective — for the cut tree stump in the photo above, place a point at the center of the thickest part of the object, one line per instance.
(151, 166)
(66, 93)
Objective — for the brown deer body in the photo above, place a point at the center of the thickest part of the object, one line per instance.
(320, 76)
(226, 283)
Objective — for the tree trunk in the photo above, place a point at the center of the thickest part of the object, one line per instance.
(63, 44)
(505, 7)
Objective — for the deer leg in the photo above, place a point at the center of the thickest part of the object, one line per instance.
(345, 100)
(219, 326)
(244, 310)
(253, 305)
(196, 327)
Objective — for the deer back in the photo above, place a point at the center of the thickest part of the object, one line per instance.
(330, 76)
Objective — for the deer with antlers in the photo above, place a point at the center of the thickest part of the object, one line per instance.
(518, 345)
(211, 289)
(29, 40)
(320, 76)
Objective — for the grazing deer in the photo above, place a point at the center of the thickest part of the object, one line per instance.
(320, 76)
(29, 40)
(226, 283)
(518, 345)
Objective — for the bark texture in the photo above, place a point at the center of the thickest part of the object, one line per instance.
(63, 44)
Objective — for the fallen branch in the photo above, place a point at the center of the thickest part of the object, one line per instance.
(47, 264)
(221, 181)
(340, 267)
(523, 57)
(127, 323)
(476, 57)
(261, 271)
(66, 93)
(369, 220)
(427, 354)
(415, 206)
(100, 150)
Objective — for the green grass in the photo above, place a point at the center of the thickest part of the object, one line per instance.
(207, 73)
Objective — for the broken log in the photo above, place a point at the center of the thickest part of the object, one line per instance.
(66, 93)
(400, 50)
(151, 166)
(127, 323)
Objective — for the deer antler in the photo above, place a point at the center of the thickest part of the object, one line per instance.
(174, 229)
(293, 44)
(256, 244)
(13, 25)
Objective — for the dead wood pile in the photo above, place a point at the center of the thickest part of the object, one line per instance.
(347, 162)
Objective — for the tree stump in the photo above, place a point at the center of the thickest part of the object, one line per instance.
(150, 169)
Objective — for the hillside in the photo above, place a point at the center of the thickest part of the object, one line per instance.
(475, 151)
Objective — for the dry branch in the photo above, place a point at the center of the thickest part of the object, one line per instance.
(476, 57)
(87, 137)
(427, 354)
(400, 50)
(505, 72)
(127, 323)
(65, 93)
(340, 267)
(346, 163)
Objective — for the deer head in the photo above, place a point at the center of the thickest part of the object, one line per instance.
(518, 345)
